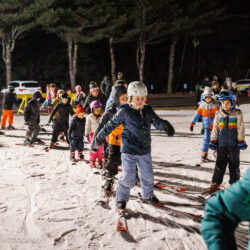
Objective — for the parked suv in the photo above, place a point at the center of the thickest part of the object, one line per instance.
(24, 87)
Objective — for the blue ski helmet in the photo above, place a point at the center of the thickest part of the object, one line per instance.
(228, 95)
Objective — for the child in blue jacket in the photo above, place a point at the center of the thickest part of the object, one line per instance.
(206, 110)
(136, 119)
(76, 133)
(228, 138)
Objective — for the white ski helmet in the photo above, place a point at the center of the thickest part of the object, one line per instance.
(137, 89)
(208, 92)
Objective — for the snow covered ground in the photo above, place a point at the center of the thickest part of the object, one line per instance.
(46, 203)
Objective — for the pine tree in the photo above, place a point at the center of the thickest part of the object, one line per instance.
(192, 18)
(16, 18)
(145, 26)
(112, 28)
(74, 22)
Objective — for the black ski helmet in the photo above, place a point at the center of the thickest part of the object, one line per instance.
(64, 95)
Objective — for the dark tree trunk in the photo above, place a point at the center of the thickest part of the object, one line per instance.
(112, 59)
(171, 65)
(8, 45)
(181, 63)
(140, 57)
(72, 56)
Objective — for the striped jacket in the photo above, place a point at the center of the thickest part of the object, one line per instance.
(207, 111)
(228, 129)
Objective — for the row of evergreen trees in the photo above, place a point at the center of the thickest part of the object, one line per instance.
(144, 22)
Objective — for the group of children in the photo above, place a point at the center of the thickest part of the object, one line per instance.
(122, 133)
(226, 124)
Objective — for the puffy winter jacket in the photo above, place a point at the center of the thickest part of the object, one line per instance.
(109, 101)
(79, 99)
(32, 111)
(92, 123)
(9, 99)
(63, 111)
(115, 135)
(228, 129)
(90, 99)
(76, 127)
(224, 212)
(136, 135)
(207, 112)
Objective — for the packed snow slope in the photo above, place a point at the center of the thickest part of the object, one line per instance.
(47, 203)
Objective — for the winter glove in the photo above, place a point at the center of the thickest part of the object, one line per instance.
(191, 127)
(98, 141)
(242, 145)
(168, 128)
(26, 123)
(213, 145)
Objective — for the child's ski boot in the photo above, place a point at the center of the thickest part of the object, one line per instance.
(27, 142)
(100, 163)
(52, 145)
(108, 186)
(214, 187)
(121, 221)
(39, 141)
(92, 164)
(72, 157)
(81, 156)
(121, 205)
(153, 200)
(61, 137)
(204, 157)
(10, 127)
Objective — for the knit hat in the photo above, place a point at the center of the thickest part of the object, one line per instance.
(95, 104)
(79, 109)
(93, 85)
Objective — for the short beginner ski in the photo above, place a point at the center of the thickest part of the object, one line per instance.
(121, 221)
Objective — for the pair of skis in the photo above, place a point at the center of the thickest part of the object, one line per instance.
(56, 147)
(29, 144)
(178, 189)
(75, 161)
(104, 200)
(210, 192)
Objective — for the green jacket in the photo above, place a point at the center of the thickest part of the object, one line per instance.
(224, 212)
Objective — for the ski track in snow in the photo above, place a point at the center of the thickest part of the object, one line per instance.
(44, 198)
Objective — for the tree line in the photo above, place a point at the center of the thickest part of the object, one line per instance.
(142, 22)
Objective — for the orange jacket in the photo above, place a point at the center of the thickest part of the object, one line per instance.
(114, 137)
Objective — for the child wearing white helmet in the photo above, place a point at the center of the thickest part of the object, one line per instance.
(136, 118)
(206, 110)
